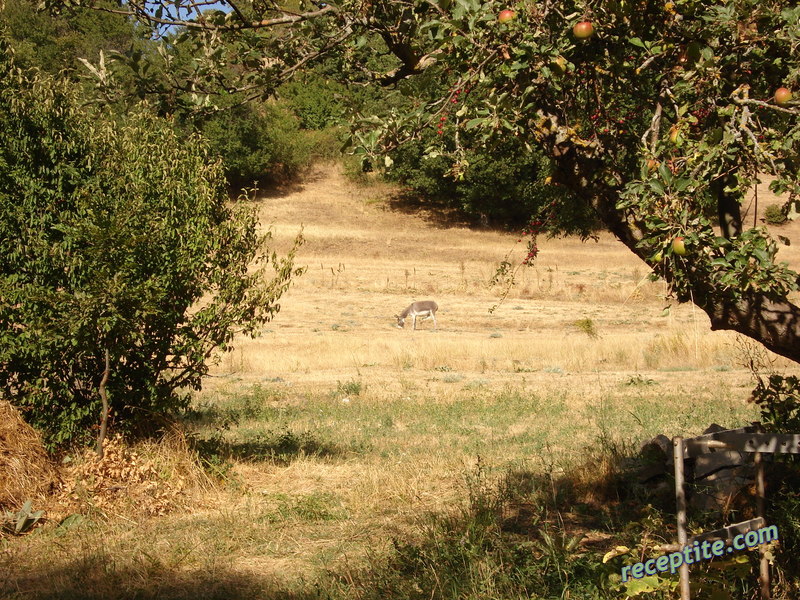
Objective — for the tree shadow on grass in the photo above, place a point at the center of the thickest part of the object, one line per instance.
(434, 212)
(93, 579)
(276, 447)
(255, 191)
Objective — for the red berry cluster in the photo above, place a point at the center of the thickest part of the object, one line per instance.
(455, 94)
(531, 230)
(617, 121)
(533, 251)
(701, 114)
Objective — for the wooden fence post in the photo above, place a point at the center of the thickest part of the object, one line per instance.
(680, 501)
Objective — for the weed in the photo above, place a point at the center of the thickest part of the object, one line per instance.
(454, 378)
(348, 388)
(476, 384)
(774, 215)
(232, 410)
(586, 326)
(21, 521)
(639, 381)
(317, 506)
(214, 456)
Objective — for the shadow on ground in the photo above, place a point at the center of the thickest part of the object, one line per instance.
(277, 447)
(90, 579)
(434, 213)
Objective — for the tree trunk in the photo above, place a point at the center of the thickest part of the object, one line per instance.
(775, 323)
(101, 437)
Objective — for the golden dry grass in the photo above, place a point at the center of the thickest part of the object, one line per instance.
(25, 469)
(366, 263)
(338, 432)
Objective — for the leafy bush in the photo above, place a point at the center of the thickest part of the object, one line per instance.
(773, 215)
(258, 143)
(315, 101)
(265, 143)
(111, 233)
(505, 184)
(779, 400)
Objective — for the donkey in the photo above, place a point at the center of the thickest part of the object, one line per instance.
(426, 309)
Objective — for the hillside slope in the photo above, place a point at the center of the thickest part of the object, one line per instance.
(582, 307)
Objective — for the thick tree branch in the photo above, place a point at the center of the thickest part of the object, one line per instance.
(728, 209)
(774, 323)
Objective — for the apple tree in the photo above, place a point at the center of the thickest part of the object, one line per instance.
(659, 116)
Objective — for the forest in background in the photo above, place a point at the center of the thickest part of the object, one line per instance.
(274, 140)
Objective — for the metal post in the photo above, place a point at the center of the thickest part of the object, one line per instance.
(761, 495)
(680, 501)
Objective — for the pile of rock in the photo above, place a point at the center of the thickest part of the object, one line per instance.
(718, 480)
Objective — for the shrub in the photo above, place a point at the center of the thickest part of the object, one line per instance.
(265, 143)
(773, 215)
(257, 143)
(506, 184)
(111, 233)
(315, 101)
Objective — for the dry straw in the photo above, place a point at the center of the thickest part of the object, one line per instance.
(25, 469)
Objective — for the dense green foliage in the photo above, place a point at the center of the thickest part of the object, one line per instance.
(317, 101)
(263, 143)
(114, 235)
(505, 185)
(55, 43)
(258, 142)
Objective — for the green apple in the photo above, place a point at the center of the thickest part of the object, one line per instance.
(675, 135)
(559, 65)
(679, 246)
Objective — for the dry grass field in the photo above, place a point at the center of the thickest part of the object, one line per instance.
(334, 433)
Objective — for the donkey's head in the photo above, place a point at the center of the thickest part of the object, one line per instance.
(401, 321)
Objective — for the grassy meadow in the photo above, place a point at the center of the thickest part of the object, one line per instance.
(346, 458)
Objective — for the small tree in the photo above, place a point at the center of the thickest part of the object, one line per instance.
(116, 238)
